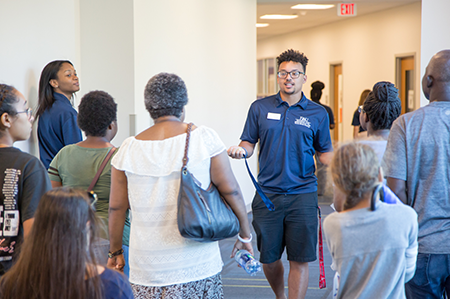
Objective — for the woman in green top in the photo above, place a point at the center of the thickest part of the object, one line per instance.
(75, 165)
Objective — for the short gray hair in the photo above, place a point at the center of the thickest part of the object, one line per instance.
(165, 94)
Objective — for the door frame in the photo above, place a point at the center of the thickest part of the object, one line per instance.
(398, 78)
(337, 111)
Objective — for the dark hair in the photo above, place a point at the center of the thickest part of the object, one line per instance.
(383, 105)
(96, 112)
(165, 94)
(292, 55)
(363, 96)
(316, 91)
(8, 98)
(354, 169)
(49, 72)
(58, 253)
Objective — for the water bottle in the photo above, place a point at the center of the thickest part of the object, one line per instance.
(248, 262)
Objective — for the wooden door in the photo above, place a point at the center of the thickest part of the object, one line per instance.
(406, 88)
(337, 100)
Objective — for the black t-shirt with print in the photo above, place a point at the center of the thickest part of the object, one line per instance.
(23, 180)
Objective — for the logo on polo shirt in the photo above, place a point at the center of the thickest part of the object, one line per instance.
(303, 121)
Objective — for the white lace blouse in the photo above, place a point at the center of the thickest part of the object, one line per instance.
(159, 255)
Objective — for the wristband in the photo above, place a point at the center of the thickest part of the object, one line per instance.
(246, 153)
(115, 253)
(245, 241)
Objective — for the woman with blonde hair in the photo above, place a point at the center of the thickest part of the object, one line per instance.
(373, 244)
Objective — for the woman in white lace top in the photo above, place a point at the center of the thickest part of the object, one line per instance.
(146, 176)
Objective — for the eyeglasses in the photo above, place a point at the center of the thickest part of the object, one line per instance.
(294, 74)
(29, 112)
(93, 197)
(360, 109)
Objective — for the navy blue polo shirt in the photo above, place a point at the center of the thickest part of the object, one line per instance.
(57, 127)
(289, 136)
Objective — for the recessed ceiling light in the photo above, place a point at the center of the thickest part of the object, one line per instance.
(259, 25)
(312, 6)
(278, 17)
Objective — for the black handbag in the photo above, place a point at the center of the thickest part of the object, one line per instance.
(203, 215)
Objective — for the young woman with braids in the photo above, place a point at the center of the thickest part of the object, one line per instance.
(373, 250)
(57, 260)
(23, 178)
(381, 107)
(57, 123)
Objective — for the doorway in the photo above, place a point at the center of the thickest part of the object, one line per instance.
(405, 82)
(336, 81)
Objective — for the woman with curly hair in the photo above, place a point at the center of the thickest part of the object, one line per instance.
(373, 244)
(76, 165)
(146, 176)
(57, 259)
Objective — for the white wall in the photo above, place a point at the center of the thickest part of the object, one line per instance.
(33, 33)
(107, 52)
(366, 46)
(118, 45)
(214, 53)
(435, 37)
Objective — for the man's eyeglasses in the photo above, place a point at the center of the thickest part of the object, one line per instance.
(294, 74)
(93, 197)
(29, 112)
(360, 109)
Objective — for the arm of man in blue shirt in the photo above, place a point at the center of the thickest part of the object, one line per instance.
(325, 158)
(237, 152)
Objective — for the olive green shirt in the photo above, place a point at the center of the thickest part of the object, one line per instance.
(76, 166)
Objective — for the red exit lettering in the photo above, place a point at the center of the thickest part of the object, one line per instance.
(347, 9)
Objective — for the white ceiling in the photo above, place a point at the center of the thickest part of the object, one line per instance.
(312, 18)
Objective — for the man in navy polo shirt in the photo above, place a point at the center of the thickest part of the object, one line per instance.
(290, 129)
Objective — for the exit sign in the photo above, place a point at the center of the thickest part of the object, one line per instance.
(346, 9)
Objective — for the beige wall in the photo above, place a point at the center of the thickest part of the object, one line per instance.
(366, 46)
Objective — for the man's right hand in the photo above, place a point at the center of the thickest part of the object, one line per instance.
(236, 152)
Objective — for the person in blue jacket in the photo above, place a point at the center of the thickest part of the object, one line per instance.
(57, 124)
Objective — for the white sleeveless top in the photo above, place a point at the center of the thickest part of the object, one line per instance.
(159, 255)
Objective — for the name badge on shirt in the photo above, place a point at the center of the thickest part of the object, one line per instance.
(274, 116)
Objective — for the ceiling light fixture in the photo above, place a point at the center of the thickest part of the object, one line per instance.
(278, 17)
(312, 6)
(260, 25)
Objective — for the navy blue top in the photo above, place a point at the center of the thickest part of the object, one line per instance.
(289, 136)
(355, 121)
(57, 127)
(115, 285)
(329, 111)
